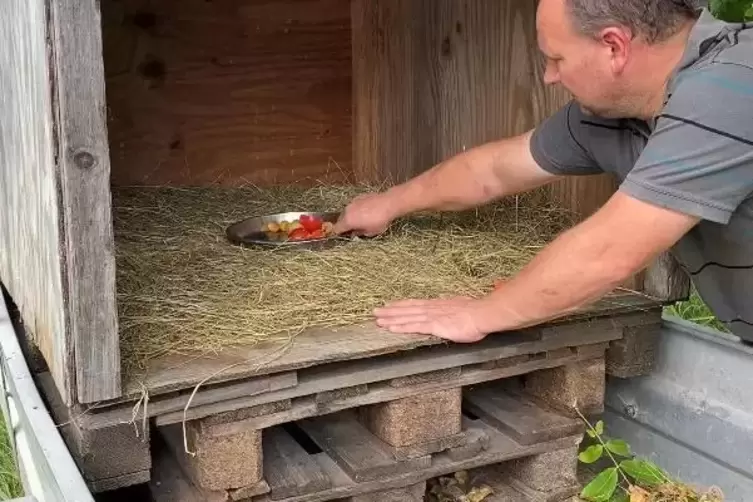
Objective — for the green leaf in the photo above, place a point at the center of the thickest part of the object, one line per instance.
(643, 472)
(591, 454)
(602, 487)
(734, 11)
(620, 496)
(749, 13)
(597, 430)
(619, 447)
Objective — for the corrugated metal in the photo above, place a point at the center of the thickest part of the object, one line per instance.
(694, 414)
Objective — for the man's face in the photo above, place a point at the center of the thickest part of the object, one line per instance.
(592, 70)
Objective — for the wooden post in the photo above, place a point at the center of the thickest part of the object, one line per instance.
(31, 268)
(84, 176)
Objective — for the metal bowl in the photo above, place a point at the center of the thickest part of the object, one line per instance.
(249, 232)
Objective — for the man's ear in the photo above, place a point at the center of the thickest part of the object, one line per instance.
(617, 41)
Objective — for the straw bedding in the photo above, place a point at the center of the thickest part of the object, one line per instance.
(182, 288)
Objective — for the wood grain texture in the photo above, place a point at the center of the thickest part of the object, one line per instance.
(520, 418)
(384, 100)
(435, 77)
(288, 468)
(85, 188)
(500, 448)
(321, 347)
(230, 92)
(31, 268)
(357, 451)
(666, 280)
(377, 371)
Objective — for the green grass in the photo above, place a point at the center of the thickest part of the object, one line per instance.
(696, 311)
(10, 482)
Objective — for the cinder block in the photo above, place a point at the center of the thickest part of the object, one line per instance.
(633, 354)
(547, 472)
(578, 385)
(415, 420)
(414, 493)
(221, 462)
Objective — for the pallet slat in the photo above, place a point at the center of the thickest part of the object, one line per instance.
(362, 455)
(288, 468)
(336, 376)
(354, 462)
(518, 416)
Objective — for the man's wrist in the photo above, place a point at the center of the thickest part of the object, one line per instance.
(494, 314)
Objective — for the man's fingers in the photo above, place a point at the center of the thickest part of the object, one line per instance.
(401, 305)
(341, 226)
(402, 319)
(422, 328)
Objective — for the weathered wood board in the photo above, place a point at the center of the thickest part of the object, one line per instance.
(433, 78)
(30, 223)
(230, 92)
(316, 347)
(332, 386)
(334, 457)
(84, 174)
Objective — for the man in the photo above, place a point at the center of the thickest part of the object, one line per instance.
(664, 100)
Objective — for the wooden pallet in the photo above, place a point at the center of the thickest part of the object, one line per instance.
(334, 457)
(232, 408)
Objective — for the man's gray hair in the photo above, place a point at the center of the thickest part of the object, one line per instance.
(653, 20)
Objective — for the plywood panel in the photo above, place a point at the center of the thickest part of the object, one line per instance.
(435, 77)
(84, 173)
(30, 230)
(228, 92)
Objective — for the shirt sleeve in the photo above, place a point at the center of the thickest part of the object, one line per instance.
(699, 159)
(556, 147)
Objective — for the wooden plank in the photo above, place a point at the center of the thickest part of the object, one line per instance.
(361, 455)
(384, 73)
(666, 280)
(438, 62)
(305, 407)
(228, 93)
(501, 448)
(521, 418)
(31, 267)
(85, 197)
(288, 468)
(319, 379)
(171, 404)
(319, 346)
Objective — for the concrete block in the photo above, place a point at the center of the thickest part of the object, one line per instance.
(634, 354)
(222, 462)
(580, 384)
(547, 472)
(415, 420)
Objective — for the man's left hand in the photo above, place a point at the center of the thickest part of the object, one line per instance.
(456, 319)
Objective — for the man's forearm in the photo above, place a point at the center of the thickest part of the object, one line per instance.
(585, 263)
(471, 178)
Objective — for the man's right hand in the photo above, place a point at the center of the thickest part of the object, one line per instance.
(368, 215)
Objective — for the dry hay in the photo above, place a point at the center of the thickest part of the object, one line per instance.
(674, 492)
(182, 288)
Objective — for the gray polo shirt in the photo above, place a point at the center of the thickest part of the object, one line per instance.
(696, 157)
